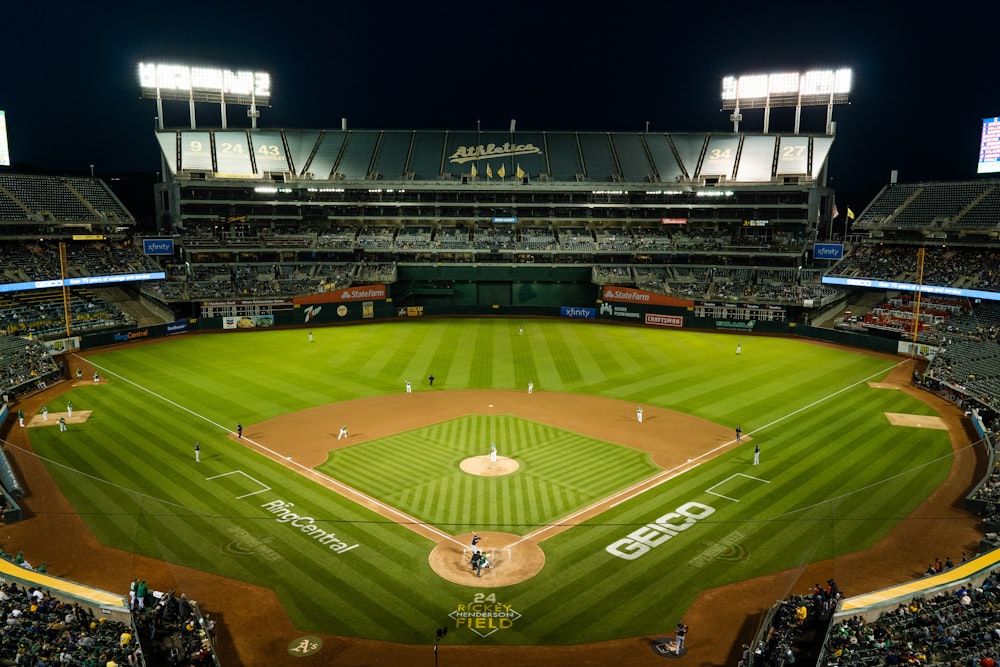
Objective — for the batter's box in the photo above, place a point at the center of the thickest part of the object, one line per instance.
(244, 483)
(737, 484)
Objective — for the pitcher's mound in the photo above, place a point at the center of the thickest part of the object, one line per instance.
(481, 465)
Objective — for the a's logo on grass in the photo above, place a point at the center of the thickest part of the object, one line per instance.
(484, 615)
(304, 646)
(245, 544)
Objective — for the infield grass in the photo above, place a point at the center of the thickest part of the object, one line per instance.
(834, 474)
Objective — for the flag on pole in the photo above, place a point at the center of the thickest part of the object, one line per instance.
(474, 172)
(850, 213)
(501, 172)
(489, 171)
(520, 172)
(836, 213)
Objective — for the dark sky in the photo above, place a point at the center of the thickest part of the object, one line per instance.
(923, 79)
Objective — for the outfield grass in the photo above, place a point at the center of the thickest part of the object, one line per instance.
(835, 476)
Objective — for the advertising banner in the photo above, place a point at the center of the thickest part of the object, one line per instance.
(828, 251)
(638, 296)
(353, 293)
(577, 313)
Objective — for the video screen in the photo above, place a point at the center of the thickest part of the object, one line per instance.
(4, 146)
(989, 147)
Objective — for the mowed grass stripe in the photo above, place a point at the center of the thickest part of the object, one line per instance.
(270, 373)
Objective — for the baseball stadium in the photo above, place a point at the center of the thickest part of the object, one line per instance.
(508, 397)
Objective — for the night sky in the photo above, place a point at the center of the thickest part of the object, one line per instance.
(923, 80)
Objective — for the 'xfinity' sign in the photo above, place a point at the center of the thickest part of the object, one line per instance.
(158, 246)
(828, 251)
(575, 312)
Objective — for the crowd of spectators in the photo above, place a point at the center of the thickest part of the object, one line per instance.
(953, 627)
(40, 260)
(40, 629)
(948, 266)
(25, 365)
(37, 628)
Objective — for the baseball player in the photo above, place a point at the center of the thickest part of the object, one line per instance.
(739, 349)
(638, 413)
(310, 336)
(97, 377)
(62, 423)
(739, 433)
(239, 429)
(197, 452)
(493, 452)
(20, 417)
(409, 387)
(45, 413)
(680, 632)
(483, 562)
(79, 374)
(343, 432)
(756, 455)
(531, 386)
(69, 409)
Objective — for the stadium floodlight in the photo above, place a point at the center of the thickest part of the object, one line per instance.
(785, 89)
(164, 81)
(203, 84)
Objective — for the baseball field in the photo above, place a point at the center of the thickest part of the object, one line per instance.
(598, 527)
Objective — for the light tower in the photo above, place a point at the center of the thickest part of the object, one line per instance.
(785, 89)
(161, 81)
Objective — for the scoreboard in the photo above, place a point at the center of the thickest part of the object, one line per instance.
(989, 147)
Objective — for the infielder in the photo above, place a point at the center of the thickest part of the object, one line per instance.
(638, 413)
(343, 432)
(197, 452)
(409, 387)
(493, 452)
(756, 455)
(531, 387)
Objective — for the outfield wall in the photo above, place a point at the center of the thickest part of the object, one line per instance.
(522, 300)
